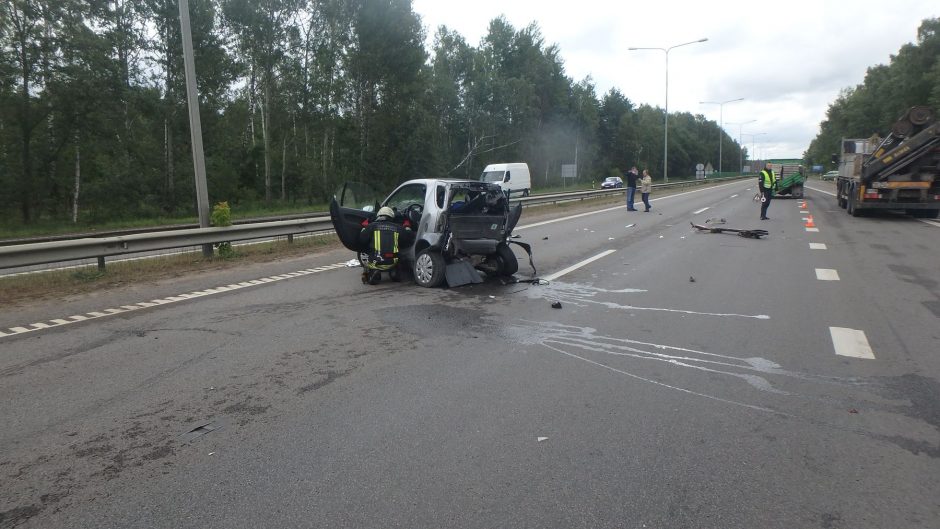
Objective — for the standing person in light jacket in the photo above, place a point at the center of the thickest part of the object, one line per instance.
(646, 187)
(767, 182)
(631, 187)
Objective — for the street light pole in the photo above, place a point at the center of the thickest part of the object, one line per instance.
(721, 114)
(666, 120)
(740, 134)
(754, 136)
(195, 126)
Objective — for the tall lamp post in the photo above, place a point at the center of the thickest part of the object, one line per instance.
(754, 136)
(740, 133)
(721, 109)
(666, 121)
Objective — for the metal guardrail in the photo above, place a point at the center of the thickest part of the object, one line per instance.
(18, 255)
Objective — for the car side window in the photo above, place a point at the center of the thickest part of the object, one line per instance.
(406, 196)
(507, 177)
(440, 196)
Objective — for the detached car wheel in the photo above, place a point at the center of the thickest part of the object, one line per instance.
(508, 264)
(429, 268)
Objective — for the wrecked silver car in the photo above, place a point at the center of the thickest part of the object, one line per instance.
(460, 226)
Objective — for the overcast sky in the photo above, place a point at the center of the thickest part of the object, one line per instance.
(788, 59)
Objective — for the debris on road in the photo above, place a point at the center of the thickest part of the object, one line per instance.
(556, 304)
(540, 439)
(749, 234)
(545, 238)
(691, 279)
(853, 410)
(629, 225)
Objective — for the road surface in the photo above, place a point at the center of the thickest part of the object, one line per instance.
(688, 380)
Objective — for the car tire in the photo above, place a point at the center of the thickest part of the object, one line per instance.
(508, 263)
(429, 268)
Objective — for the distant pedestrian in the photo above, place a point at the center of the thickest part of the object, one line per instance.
(767, 182)
(646, 187)
(632, 176)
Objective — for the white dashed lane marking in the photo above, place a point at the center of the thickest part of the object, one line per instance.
(817, 246)
(851, 342)
(827, 274)
(701, 210)
(812, 230)
(58, 322)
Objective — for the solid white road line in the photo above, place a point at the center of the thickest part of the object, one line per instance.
(827, 274)
(812, 230)
(821, 191)
(850, 342)
(572, 268)
(701, 210)
(817, 246)
(929, 222)
(170, 299)
(605, 210)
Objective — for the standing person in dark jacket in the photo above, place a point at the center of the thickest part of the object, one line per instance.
(632, 176)
(767, 182)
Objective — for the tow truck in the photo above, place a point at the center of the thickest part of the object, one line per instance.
(899, 172)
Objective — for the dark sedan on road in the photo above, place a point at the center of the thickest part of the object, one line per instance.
(612, 182)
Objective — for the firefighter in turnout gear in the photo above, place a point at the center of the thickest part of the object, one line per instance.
(382, 239)
(767, 182)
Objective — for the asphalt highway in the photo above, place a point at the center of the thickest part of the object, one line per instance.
(688, 380)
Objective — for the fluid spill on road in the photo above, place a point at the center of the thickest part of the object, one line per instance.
(581, 295)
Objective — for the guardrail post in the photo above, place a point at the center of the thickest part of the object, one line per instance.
(290, 238)
(100, 262)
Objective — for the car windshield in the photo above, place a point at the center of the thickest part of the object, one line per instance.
(492, 176)
(612, 179)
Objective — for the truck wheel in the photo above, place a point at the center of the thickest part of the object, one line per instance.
(429, 268)
(924, 213)
(852, 207)
(506, 259)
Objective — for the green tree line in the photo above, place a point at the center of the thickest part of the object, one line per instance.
(912, 77)
(296, 97)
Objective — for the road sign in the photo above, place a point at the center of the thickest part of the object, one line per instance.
(569, 170)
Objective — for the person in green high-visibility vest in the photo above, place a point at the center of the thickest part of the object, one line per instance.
(767, 183)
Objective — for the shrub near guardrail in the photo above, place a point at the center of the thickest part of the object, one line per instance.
(221, 218)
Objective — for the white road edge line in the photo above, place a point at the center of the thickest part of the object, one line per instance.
(817, 246)
(701, 210)
(851, 342)
(605, 210)
(572, 268)
(12, 331)
(821, 191)
(827, 274)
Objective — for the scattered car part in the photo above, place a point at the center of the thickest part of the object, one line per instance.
(749, 234)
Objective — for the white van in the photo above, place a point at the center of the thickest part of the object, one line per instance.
(512, 177)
